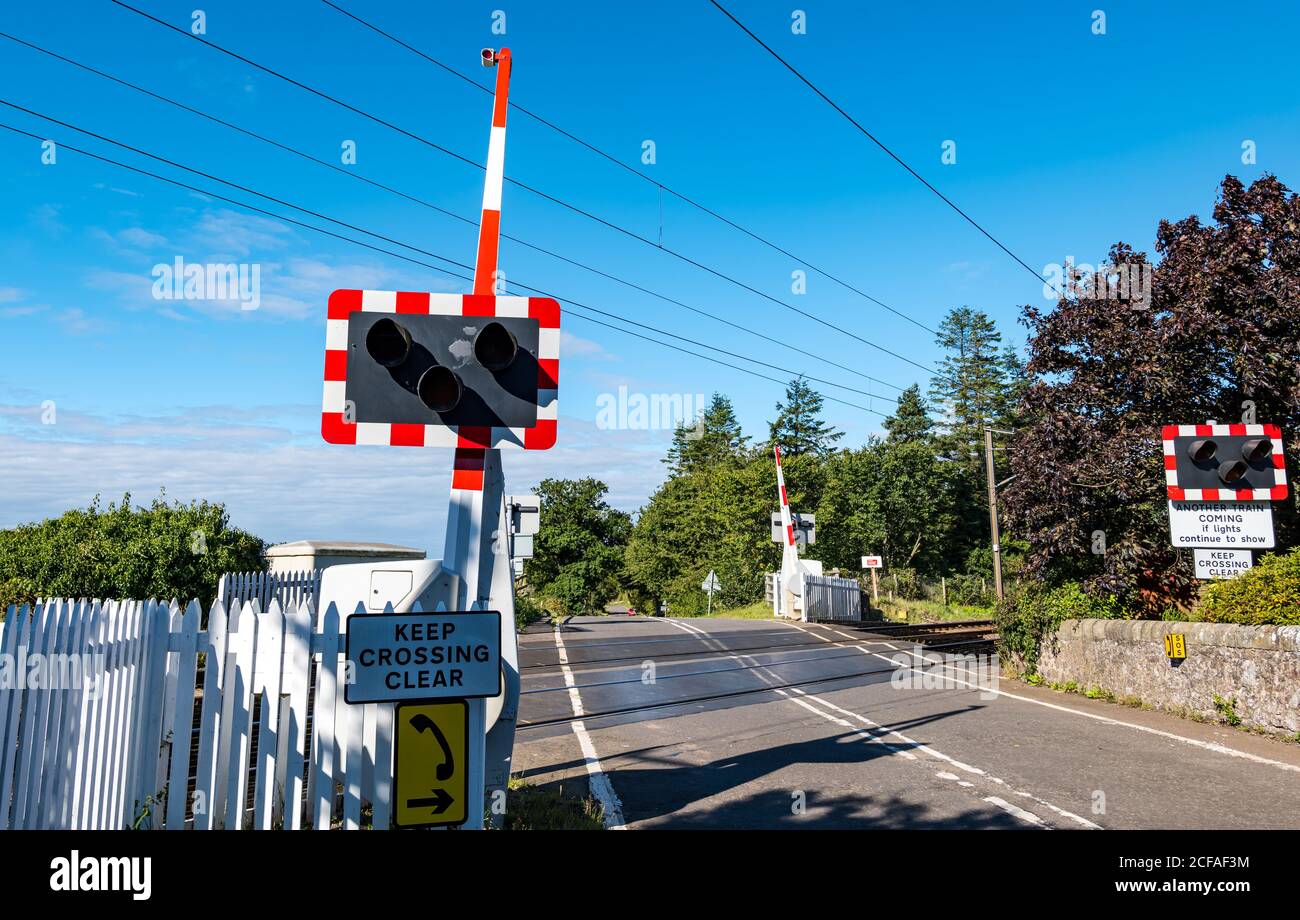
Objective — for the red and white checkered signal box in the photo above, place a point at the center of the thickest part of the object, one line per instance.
(1224, 463)
(413, 369)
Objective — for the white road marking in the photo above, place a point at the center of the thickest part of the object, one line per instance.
(939, 755)
(1194, 742)
(1027, 816)
(601, 787)
(793, 694)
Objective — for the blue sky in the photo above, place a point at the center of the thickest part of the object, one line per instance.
(1066, 142)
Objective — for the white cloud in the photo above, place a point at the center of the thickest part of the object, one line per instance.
(280, 482)
(573, 346)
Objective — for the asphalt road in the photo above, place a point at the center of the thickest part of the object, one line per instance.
(815, 726)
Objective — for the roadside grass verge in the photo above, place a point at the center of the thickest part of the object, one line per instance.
(925, 611)
(552, 808)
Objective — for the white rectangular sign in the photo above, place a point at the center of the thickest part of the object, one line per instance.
(873, 562)
(422, 656)
(1225, 525)
(1222, 563)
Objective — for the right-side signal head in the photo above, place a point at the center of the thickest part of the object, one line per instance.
(1203, 450)
(1256, 450)
(495, 347)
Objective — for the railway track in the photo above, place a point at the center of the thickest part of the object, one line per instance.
(984, 646)
(974, 632)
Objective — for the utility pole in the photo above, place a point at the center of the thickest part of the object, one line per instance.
(993, 511)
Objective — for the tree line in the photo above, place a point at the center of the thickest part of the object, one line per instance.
(914, 496)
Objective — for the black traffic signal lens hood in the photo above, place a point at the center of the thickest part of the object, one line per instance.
(1257, 451)
(388, 343)
(495, 347)
(1231, 471)
(440, 388)
(1202, 451)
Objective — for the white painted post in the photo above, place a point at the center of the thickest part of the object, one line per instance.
(323, 741)
(237, 714)
(293, 723)
(183, 719)
(206, 795)
(266, 687)
(17, 628)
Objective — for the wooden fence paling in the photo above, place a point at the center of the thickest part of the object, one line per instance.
(214, 669)
(270, 663)
(120, 734)
(33, 715)
(14, 636)
(48, 801)
(91, 725)
(323, 740)
(297, 670)
(237, 716)
(182, 719)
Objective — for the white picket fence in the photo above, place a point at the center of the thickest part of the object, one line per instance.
(289, 588)
(184, 726)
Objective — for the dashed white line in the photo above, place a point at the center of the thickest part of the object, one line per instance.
(1194, 742)
(1027, 816)
(601, 787)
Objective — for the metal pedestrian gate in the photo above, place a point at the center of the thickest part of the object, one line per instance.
(828, 598)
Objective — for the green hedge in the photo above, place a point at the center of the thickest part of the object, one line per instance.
(1268, 594)
(163, 550)
(1027, 618)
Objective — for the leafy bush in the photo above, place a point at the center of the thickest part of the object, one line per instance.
(971, 591)
(16, 592)
(166, 550)
(527, 610)
(1025, 620)
(1268, 594)
(906, 583)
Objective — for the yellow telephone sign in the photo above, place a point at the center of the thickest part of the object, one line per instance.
(1176, 645)
(431, 772)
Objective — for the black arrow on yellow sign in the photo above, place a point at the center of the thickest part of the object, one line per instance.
(440, 801)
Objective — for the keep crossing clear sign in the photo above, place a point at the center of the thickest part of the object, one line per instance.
(418, 656)
(1222, 563)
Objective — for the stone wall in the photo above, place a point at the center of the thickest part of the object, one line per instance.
(1257, 666)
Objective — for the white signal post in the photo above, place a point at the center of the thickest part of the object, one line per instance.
(477, 547)
(791, 567)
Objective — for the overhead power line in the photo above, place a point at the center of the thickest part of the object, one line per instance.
(441, 269)
(380, 236)
(444, 211)
(528, 188)
(875, 140)
(685, 199)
